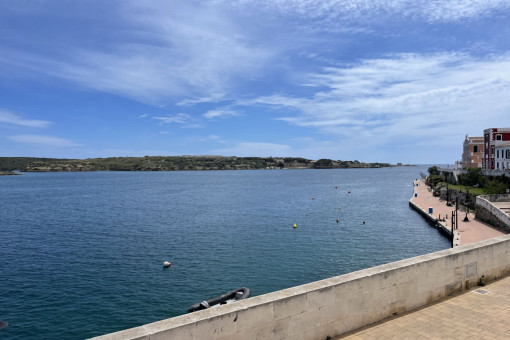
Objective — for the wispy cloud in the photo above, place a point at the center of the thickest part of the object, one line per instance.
(220, 114)
(184, 119)
(11, 118)
(173, 50)
(198, 51)
(430, 10)
(180, 118)
(43, 140)
(401, 95)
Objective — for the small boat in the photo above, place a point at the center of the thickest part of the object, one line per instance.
(229, 297)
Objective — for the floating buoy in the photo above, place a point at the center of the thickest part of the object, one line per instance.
(336, 187)
(363, 222)
(294, 226)
(167, 264)
(339, 208)
(349, 192)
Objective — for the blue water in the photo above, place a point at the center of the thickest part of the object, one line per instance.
(81, 253)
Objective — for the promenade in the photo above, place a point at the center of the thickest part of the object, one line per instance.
(467, 232)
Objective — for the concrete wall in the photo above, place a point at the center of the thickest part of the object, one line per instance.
(339, 304)
(488, 212)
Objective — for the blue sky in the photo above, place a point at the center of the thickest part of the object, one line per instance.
(374, 81)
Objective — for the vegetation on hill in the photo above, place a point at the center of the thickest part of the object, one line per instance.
(171, 163)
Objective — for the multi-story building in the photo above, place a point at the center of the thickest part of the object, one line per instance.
(493, 138)
(472, 153)
(503, 156)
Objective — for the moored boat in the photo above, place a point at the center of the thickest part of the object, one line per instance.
(229, 297)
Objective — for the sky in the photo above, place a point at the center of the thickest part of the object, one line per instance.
(368, 80)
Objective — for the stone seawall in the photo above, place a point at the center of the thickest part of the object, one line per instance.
(339, 304)
(489, 213)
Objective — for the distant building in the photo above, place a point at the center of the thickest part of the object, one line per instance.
(494, 138)
(472, 154)
(503, 156)
(457, 165)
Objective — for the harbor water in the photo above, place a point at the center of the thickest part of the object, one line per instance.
(82, 253)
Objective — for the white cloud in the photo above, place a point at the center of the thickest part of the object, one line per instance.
(172, 50)
(430, 10)
(403, 95)
(11, 118)
(220, 114)
(43, 140)
(145, 115)
(198, 51)
(180, 118)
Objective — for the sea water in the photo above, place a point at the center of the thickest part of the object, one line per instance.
(81, 254)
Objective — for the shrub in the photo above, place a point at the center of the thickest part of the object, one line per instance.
(495, 187)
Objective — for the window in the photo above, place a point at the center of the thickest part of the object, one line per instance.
(498, 137)
(475, 148)
(497, 154)
(507, 154)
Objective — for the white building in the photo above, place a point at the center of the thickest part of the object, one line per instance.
(502, 157)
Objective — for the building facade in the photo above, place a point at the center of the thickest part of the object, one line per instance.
(472, 153)
(503, 157)
(493, 138)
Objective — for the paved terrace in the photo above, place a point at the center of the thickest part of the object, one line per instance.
(467, 232)
(482, 313)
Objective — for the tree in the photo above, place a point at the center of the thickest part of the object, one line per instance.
(473, 177)
(433, 170)
(324, 163)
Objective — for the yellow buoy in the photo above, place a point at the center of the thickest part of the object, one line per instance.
(340, 208)
(294, 225)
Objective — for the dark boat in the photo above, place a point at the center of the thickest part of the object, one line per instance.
(232, 296)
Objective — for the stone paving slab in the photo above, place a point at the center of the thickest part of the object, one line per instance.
(482, 313)
(467, 232)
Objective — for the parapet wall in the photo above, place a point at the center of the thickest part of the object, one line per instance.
(489, 213)
(339, 304)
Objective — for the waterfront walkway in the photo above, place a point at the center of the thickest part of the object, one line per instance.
(467, 232)
(482, 313)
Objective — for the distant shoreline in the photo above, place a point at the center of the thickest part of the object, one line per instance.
(8, 173)
(175, 163)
